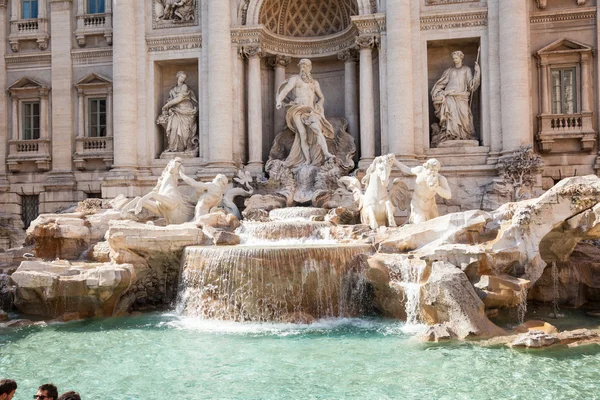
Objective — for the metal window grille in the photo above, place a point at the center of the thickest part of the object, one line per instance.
(30, 206)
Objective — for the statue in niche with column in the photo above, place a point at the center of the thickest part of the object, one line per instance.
(313, 151)
(179, 120)
(305, 116)
(452, 96)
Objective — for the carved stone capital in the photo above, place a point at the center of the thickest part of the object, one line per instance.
(348, 55)
(541, 4)
(3, 3)
(279, 61)
(252, 51)
(367, 41)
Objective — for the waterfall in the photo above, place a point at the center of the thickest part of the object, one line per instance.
(555, 293)
(411, 273)
(272, 283)
(279, 231)
(522, 306)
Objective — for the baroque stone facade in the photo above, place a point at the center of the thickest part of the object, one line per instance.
(83, 82)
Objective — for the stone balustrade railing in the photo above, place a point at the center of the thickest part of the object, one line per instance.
(93, 24)
(553, 127)
(28, 29)
(22, 152)
(93, 148)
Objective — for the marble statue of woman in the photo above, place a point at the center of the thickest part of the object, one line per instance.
(451, 97)
(179, 118)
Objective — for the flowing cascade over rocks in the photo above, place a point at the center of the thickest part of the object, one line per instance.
(298, 264)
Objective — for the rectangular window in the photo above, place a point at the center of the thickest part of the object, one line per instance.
(97, 117)
(30, 9)
(564, 91)
(31, 121)
(29, 209)
(95, 6)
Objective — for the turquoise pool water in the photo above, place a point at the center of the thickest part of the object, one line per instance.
(162, 356)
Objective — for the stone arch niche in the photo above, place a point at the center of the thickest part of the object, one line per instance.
(254, 8)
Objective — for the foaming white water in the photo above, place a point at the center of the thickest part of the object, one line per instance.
(411, 283)
(320, 326)
(285, 232)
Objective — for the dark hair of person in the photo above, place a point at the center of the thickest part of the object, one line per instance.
(51, 389)
(70, 396)
(7, 386)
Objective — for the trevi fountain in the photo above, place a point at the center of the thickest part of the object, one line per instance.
(303, 282)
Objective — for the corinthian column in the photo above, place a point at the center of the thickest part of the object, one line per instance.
(515, 89)
(400, 79)
(367, 102)
(220, 86)
(124, 85)
(255, 126)
(279, 63)
(350, 93)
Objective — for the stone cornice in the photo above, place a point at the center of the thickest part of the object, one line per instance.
(91, 56)
(444, 2)
(28, 60)
(454, 20)
(373, 24)
(174, 42)
(562, 16)
(274, 44)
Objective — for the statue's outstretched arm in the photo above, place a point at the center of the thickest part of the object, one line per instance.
(193, 183)
(444, 189)
(404, 169)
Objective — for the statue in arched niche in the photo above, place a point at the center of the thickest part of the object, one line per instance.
(306, 117)
(179, 119)
(451, 97)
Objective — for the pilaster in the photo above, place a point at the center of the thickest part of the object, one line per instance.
(515, 92)
(279, 64)
(61, 177)
(400, 79)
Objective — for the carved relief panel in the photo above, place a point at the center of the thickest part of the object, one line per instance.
(174, 13)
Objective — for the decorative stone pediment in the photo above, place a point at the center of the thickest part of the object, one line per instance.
(564, 45)
(25, 83)
(94, 79)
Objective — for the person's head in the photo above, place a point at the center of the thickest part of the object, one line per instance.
(458, 57)
(181, 77)
(305, 69)
(47, 391)
(70, 396)
(221, 181)
(432, 165)
(8, 387)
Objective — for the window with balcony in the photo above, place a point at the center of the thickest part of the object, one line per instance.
(94, 18)
(29, 145)
(94, 142)
(29, 9)
(31, 120)
(95, 6)
(97, 117)
(28, 23)
(566, 112)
